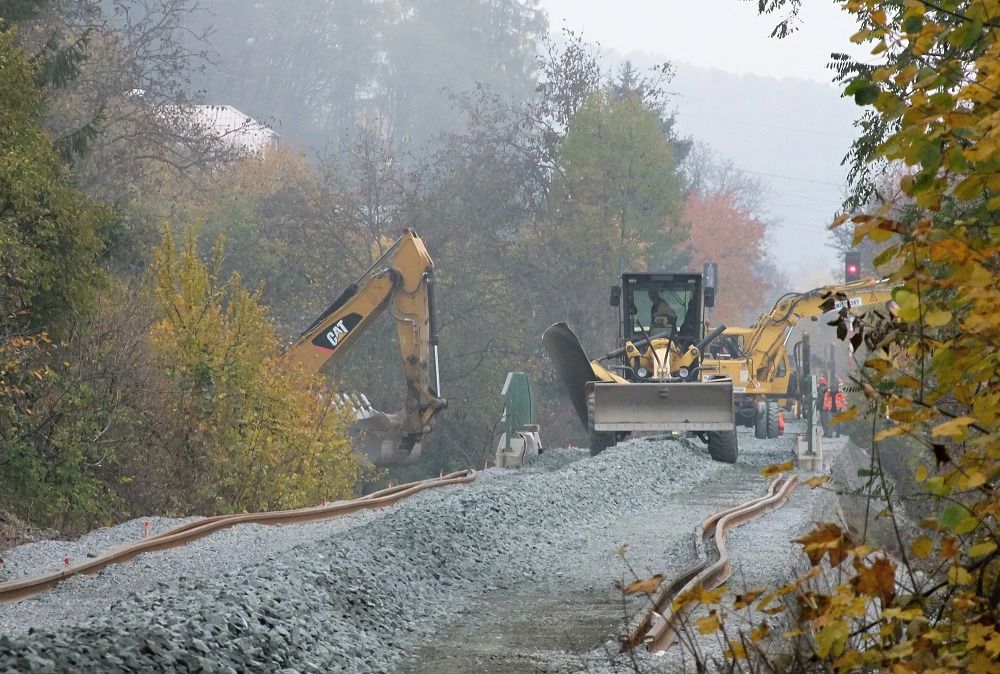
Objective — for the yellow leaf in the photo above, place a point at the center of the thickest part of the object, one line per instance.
(709, 623)
(644, 586)
(959, 576)
(830, 640)
(920, 474)
(982, 549)
(953, 427)
(826, 537)
(977, 634)
(894, 613)
(818, 481)
(879, 364)
(708, 596)
(966, 525)
(909, 303)
(745, 599)
(777, 468)
(736, 651)
(890, 432)
(846, 415)
(981, 664)
(972, 479)
(993, 644)
(937, 317)
(922, 547)
(759, 632)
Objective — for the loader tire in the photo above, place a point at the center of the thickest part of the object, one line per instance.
(599, 440)
(760, 419)
(723, 446)
(773, 428)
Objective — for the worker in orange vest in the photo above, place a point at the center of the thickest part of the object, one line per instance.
(781, 423)
(826, 407)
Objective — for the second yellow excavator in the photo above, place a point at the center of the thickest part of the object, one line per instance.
(402, 281)
(757, 358)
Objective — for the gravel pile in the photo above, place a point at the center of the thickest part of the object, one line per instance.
(32, 559)
(352, 595)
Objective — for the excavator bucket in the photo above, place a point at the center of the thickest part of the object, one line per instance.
(572, 364)
(683, 406)
(379, 434)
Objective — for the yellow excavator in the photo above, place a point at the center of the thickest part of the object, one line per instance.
(757, 358)
(656, 381)
(402, 281)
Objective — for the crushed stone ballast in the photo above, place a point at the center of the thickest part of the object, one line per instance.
(359, 593)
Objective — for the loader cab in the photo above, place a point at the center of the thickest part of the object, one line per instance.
(654, 304)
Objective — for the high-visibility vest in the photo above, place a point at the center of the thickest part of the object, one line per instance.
(781, 423)
(840, 401)
(828, 401)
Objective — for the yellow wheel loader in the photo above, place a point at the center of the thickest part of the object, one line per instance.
(402, 281)
(655, 381)
(757, 358)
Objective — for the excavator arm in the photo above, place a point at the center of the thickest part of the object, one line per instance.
(402, 282)
(765, 345)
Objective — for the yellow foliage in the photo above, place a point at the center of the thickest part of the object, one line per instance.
(827, 538)
(709, 624)
(746, 599)
(259, 434)
(818, 481)
(922, 547)
(959, 576)
(777, 468)
(736, 650)
(845, 416)
(954, 427)
(643, 586)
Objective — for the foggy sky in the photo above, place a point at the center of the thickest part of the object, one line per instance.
(798, 157)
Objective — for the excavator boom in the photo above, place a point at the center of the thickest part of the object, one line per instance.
(402, 281)
(756, 358)
(771, 331)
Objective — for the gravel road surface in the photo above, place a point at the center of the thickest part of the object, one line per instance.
(511, 574)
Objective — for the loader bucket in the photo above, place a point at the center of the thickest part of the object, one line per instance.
(572, 364)
(380, 434)
(681, 406)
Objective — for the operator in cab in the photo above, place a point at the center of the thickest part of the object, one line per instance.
(660, 314)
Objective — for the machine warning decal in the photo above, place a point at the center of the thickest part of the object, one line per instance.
(331, 338)
(849, 303)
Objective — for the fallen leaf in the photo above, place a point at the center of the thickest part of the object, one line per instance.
(777, 468)
(644, 586)
(709, 623)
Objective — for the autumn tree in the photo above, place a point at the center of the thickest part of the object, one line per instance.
(721, 232)
(51, 238)
(254, 433)
(930, 93)
(613, 203)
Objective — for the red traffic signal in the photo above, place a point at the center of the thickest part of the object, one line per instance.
(852, 266)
